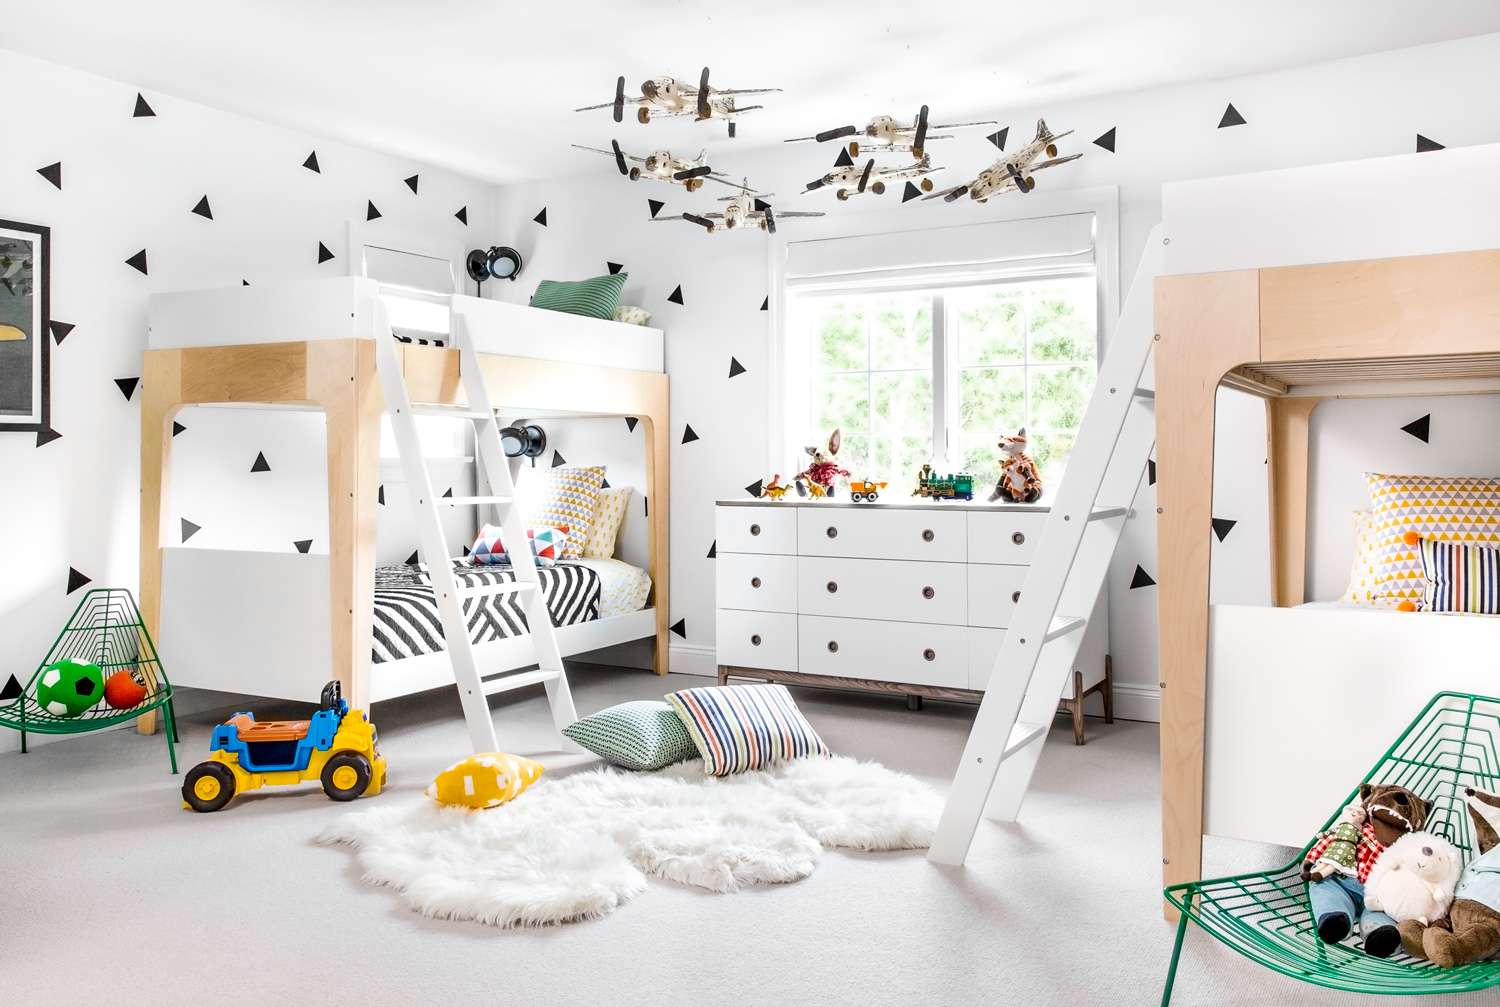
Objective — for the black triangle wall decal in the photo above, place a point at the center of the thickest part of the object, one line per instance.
(260, 464)
(177, 428)
(448, 492)
(189, 529)
(77, 580)
(1424, 144)
(142, 110)
(46, 436)
(713, 550)
(127, 386)
(754, 489)
(999, 136)
(630, 422)
(843, 160)
(52, 173)
(1420, 428)
(1107, 140)
(244, 282)
(656, 206)
(689, 434)
(558, 461)
(1151, 472)
(1223, 526)
(380, 495)
(676, 295)
(541, 218)
(680, 628)
(613, 267)
(311, 164)
(370, 212)
(645, 505)
(1141, 579)
(735, 368)
(412, 559)
(303, 545)
(411, 183)
(765, 304)
(604, 483)
(11, 691)
(202, 208)
(1231, 117)
(60, 330)
(463, 215)
(138, 262)
(910, 193)
(466, 550)
(323, 253)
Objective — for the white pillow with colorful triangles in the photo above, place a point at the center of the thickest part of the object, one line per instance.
(547, 543)
(1441, 508)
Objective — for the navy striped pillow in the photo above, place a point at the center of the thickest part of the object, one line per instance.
(741, 727)
(1460, 577)
(596, 297)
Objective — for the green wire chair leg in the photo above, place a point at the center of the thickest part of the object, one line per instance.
(1166, 993)
(172, 719)
(170, 730)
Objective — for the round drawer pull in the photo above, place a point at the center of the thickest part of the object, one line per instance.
(929, 654)
(755, 639)
(927, 535)
(833, 646)
(755, 529)
(833, 532)
(1015, 597)
(755, 582)
(1018, 538)
(833, 587)
(928, 593)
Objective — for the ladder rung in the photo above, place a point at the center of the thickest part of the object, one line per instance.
(489, 590)
(1021, 735)
(521, 680)
(472, 501)
(1105, 513)
(1149, 394)
(453, 412)
(1063, 625)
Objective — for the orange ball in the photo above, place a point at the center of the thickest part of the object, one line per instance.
(121, 691)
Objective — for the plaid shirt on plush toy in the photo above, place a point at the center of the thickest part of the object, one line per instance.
(1368, 850)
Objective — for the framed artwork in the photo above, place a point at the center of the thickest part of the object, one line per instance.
(25, 265)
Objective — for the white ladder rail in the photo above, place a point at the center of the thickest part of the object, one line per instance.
(1030, 671)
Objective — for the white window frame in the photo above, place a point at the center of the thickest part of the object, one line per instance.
(788, 377)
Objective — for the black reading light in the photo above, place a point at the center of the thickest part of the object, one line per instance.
(496, 263)
(528, 441)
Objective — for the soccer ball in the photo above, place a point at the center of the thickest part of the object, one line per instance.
(69, 687)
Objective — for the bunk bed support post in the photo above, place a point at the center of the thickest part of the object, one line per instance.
(1288, 423)
(1206, 325)
(161, 398)
(658, 451)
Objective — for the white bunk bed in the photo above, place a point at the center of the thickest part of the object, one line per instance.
(280, 624)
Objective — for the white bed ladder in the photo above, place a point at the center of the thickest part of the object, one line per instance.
(496, 489)
(1068, 570)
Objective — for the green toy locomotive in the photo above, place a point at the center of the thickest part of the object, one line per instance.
(953, 486)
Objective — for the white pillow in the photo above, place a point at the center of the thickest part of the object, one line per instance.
(604, 530)
(1361, 590)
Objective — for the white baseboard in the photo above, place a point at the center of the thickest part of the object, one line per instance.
(1138, 702)
(685, 659)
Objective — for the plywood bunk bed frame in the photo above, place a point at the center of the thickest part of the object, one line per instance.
(311, 346)
(1295, 335)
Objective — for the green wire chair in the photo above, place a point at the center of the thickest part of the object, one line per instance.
(105, 629)
(1452, 744)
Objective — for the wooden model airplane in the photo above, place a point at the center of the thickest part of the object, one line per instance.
(664, 166)
(663, 96)
(747, 210)
(851, 179)
(886, 133)
(1013, 171)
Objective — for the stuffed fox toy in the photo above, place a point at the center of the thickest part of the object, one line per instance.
(1020, 482)
(1471, 933)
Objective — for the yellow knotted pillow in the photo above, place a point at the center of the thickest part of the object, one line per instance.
(486, 780)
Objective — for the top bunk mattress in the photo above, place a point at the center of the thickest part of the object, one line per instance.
(344, 307)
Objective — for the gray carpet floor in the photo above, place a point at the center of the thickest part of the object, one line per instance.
(111, 893)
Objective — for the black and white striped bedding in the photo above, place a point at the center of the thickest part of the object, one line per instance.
(407, 623)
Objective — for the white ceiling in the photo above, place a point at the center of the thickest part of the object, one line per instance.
(486, 88)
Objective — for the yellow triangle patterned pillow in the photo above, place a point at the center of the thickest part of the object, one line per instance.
(1443, 508)
(486, 780)
(1361, 589)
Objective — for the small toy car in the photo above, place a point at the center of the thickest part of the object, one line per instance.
(338, 747)
(863, 491)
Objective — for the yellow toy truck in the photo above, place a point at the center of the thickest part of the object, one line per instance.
(863, 491)
(338, 747)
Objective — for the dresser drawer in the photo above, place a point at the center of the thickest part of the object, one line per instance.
(884, 651)
(756, 640)
(883, 589)
(760, 583)
(993, 593)
(924, 534)
(1004, 537)
(984, 647)
(766, 529)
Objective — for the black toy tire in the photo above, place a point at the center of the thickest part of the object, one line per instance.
(872, 496)
(353, 760)
(218, 771)
(856, 497)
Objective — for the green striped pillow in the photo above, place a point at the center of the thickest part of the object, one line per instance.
(644, 734)
(596, 297)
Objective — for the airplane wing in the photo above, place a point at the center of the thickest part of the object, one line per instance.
(799, 213)
(944, 193)
(608, 153)
(718, 177)
(608, 104)
(1054, 162)
(962, 125)
(744, 90)
(679, 217)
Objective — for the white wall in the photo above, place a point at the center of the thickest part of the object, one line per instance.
(131, 183)
(1350, 109)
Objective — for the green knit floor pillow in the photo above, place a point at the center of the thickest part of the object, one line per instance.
(644, 734)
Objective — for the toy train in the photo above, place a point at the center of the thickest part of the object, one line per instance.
(953, 486)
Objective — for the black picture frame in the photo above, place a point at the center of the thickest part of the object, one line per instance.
(36, 333)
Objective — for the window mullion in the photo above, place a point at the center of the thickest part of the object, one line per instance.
(941, 396)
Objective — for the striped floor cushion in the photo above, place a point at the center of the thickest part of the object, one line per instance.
(1460, 577)
(742, 727)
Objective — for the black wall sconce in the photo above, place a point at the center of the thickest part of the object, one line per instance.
(527, 441)
(495, 263)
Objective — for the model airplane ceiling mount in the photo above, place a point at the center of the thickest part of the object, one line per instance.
(746, 211)
(886, 133)
(850, 179)
(664, 166)
(668, 96)
(1013, 171)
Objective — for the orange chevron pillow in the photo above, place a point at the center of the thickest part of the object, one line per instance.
(1442, 508)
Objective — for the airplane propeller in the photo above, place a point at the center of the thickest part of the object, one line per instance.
(770, 217)
(957, 193)
(1021, 181)
(703, 222)
(698, 172)
(619, 154)
(834, 134)
(703, 109)
(920, 141)
(619, 106)
(864, 178)
(816, 183)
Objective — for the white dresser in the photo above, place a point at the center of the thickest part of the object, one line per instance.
(906, 598)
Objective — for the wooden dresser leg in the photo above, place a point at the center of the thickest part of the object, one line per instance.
(1109, 690)
(723, 675)
(1075, 706)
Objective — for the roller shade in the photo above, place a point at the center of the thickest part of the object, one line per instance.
(944, 253)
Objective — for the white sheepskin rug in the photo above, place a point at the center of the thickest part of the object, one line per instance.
(576, 847)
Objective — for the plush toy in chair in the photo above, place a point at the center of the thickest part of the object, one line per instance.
(1338, 899)
(1471, 933)
(1414, 879)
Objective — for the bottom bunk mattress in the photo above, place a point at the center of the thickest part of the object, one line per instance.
(407, 623)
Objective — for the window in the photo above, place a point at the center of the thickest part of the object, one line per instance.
(937, 374)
